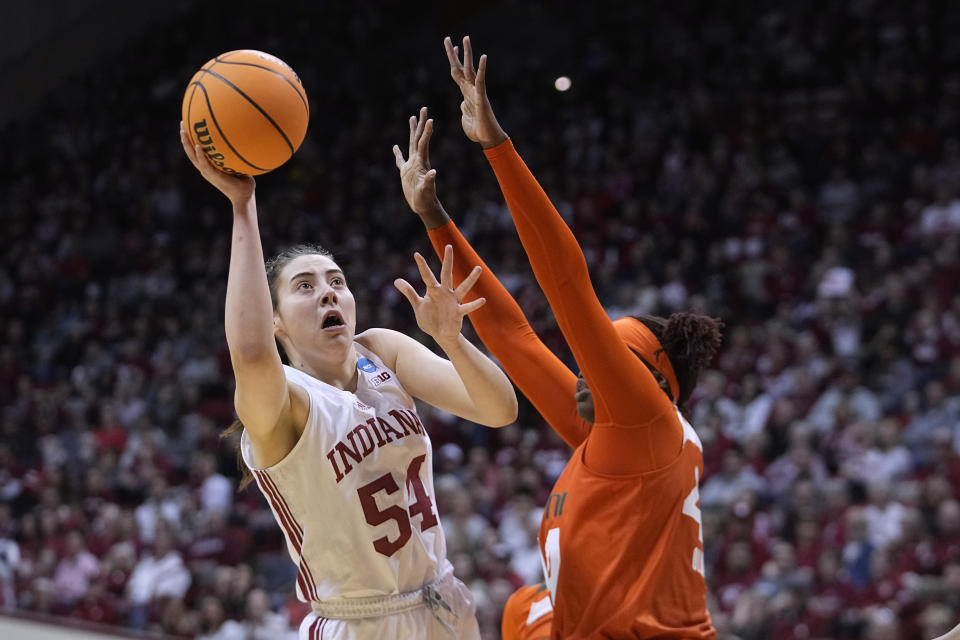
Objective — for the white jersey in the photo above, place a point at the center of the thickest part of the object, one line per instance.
(354, 497)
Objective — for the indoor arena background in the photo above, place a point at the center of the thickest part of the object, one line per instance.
(793, 169)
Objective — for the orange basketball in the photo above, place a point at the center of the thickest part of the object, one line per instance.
(248, 111)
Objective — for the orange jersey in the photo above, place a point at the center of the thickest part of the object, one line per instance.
(527, 614)
(621, 537)
(623, 554)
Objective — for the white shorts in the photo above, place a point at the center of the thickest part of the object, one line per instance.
(419, 623)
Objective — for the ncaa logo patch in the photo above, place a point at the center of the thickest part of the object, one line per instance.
(365, 365)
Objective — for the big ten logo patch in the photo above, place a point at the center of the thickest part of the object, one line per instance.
(380, 378)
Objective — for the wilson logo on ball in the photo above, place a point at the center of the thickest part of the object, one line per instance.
(203, 136)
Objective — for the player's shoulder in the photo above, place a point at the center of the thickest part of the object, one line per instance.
(386, 344)
(376, 333)
(381, 342)
(379, 339)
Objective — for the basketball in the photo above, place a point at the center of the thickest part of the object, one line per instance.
(248, 110)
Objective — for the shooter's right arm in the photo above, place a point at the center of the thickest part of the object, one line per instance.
(262, 398)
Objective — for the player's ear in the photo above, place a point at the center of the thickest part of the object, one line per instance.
(278, 329)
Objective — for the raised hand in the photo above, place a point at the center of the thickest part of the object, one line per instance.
(239, 189)
(419, 181)
(477, 117)
(439, 311)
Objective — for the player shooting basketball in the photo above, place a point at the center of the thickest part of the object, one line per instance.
(333, 438)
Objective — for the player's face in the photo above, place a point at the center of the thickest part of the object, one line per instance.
(584, 399)
(314, 305)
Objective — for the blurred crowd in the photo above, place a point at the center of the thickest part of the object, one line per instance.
(794, 171)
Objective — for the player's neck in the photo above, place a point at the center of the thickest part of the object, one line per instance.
(336, 369)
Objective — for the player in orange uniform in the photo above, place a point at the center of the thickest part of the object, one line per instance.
(621, 537)
(527, 614)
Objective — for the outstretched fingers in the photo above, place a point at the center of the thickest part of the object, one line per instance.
(412, 142)
(421, 124)
(421, 128)
(423, 144)
(468, 72)
(481, 80)
(472, 306)
(464, 287)
(408, 292)
(453, 57)
(446, 268)
(428, 278)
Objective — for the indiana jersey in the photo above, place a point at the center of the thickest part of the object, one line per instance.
(626, 552)
(527, 614)
(354, 497)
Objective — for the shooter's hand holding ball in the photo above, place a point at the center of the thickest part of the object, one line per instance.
(238, 188)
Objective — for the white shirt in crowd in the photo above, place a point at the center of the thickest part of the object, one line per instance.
(158, 577)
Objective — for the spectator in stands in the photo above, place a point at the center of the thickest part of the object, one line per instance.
(214, 623)
(9, 560)
(215, 490)
(75, 571)
(734, 478)
(262, 623)
(773, 169)
(157, 576)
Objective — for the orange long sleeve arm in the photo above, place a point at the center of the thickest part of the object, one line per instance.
(626, 396)
(503, 328)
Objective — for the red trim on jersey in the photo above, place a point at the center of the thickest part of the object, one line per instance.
(290, 523)
(291, 528)
(299, 545)
(288, 529)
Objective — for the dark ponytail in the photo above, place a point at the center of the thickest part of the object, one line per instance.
(246, 476)
(690, 340)
(273, 267)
